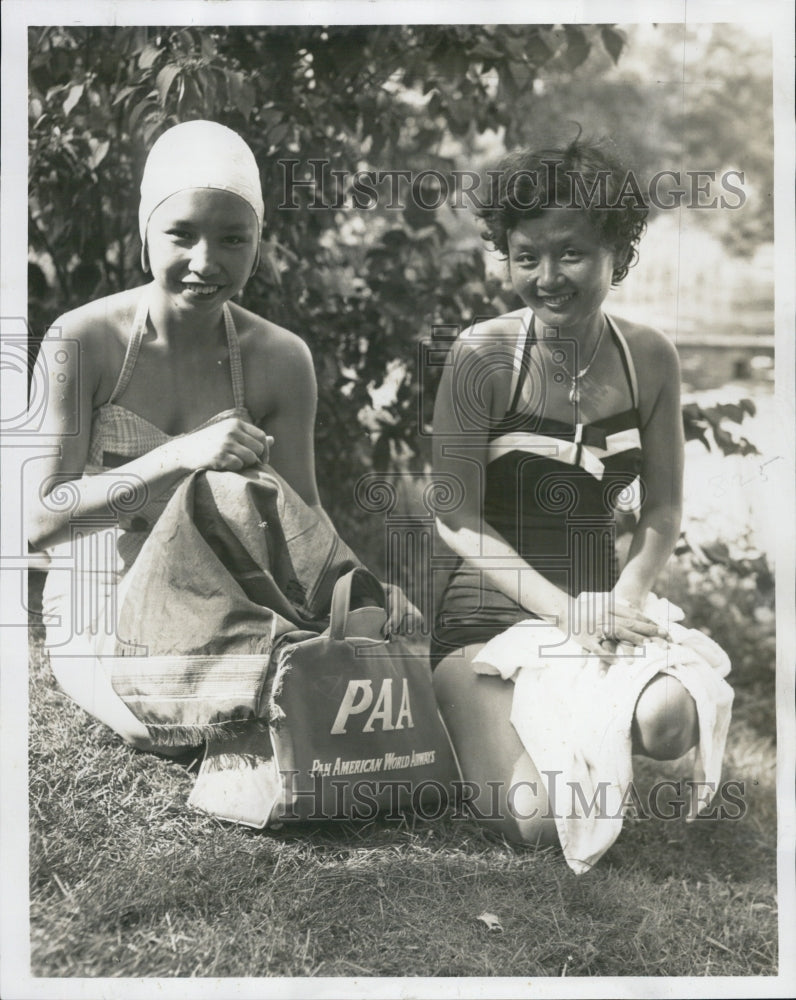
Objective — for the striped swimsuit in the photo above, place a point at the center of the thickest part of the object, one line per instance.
(551, 492)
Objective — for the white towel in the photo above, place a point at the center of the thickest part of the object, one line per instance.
(573, 713)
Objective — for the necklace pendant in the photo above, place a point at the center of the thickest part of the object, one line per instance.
(574, 394)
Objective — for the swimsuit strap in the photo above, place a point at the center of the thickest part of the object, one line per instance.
(522, 354)
(627, 360)
(133, 344)
(235, 364)
(137, 335)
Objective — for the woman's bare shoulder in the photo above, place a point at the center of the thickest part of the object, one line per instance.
(656, 362)
(476, 381)
(654, 354)
(485, 336)
(99, 316)
(263, 341)
(95, 336)
(647, 342)
(277, 364)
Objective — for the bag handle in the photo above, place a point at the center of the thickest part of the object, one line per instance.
(361, 581)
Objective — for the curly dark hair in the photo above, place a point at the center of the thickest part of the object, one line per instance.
(580, 175)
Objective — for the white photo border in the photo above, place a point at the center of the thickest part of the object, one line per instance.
(17, 15)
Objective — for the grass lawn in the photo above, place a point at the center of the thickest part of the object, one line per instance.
(125, 881)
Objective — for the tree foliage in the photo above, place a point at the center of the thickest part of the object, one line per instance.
(703, 423)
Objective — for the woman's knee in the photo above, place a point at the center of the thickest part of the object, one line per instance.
(665, 724)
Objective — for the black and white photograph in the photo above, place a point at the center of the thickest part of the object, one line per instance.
(398, 540)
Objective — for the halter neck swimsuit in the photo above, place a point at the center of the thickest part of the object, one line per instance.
(551, 491)
(119, 435)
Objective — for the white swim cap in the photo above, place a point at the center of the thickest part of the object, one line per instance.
(199, 154)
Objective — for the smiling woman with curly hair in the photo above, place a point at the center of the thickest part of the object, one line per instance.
(545, 416)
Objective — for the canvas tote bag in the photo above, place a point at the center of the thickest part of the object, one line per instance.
(355, 728)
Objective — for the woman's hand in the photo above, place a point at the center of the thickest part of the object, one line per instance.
(599, 621)
(229, 445)
(403, 618)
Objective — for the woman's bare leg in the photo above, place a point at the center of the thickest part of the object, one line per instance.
(505, 790)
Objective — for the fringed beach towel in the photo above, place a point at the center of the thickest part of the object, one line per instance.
(236, 565)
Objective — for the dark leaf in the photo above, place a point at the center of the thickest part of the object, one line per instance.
(136, 40)
(614, 41)
(523, 75)
(578, 46)
(417, 216)
(717, 552)
(451, 63)
(245, 98)
(485, 50)
(695, 431)
(152, 122)
(278, 133)
(732, 411)
(508, 88)
(682, 546)
(122, 94)
(395, 238)
(234, 84)
(536, 49)
(206, 80)
(61, 65)
(380, 254)
(725, 441)
(747, 448)
(190, 99)
(712, 415)
(691, 411)
(138, 111)
(748, 405)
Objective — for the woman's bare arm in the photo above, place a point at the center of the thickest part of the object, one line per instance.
(658, 528)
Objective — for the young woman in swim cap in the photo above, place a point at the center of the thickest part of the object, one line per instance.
(153, 383)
